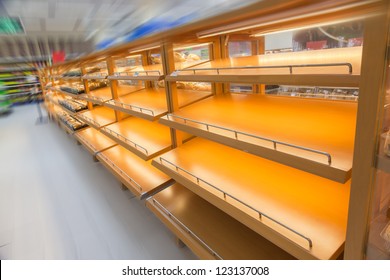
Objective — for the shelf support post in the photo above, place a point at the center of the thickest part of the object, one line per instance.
(371, 96)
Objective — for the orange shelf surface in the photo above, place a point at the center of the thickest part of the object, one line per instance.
(98, 95)
(213, 234)
(98, 117)
(93, 140)
(147, 73)
(320, 125)
(144, 138)
(291, 208)
(138, 175)
(281, 75)
(151, 103)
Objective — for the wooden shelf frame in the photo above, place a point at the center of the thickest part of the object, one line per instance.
(225, 182)
(124, 165)
(208, 231)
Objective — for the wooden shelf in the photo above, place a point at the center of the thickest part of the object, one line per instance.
(206, 230)
(243, 69)
(98, 117)
(136, 174)
(101, 95)
(252, 122)
(93, 140)
(144, 138)
(303, 214)
(98, 96)
(141, 73)
(151, 103)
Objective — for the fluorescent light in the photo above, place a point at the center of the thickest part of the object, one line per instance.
(145, 49)
(191, 46)
(305, 27)
(250, 24)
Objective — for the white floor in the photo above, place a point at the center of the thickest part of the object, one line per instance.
(56, 203)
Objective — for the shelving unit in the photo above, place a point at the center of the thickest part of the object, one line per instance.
(18, 85)
(301, 213)
(199, 225)
(295, 172)
(138, 175)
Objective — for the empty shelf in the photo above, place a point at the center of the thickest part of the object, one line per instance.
(303, 214)
(209, 232)
(144, 138)
(98, 117)
(143, 73)
(98, 96)
(93, 140)
(136, 174)
(330, 67)
(151, 104)
(313, 135)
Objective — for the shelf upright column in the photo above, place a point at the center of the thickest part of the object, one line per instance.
(371, 90)
(258, 47)
(114, 85)
(86, 87)
(168, 64)
(224, 42)
(215, 52)
(145, 61)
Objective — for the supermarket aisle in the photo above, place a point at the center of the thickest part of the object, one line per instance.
(56, 203)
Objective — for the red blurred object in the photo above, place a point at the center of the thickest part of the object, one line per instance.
(315, 45)
(58, 56)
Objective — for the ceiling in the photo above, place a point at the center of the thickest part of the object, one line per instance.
(90, 22)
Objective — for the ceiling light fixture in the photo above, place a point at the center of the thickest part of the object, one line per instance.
(306, 27)
(251, 24)
(145, 49)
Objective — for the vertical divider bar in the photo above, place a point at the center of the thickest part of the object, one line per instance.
(168, 64)
(85, 83)
(145, 61)
(372, 80)
(113, 85)
(215, 52)
(260, 49)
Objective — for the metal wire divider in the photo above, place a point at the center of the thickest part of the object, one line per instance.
(237, 133)
(260, 214)
(170, 215)
(290, 67)
(113, 165)
(121, 137)
(130, 107)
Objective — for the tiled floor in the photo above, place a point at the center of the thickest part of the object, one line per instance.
(56, 203)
